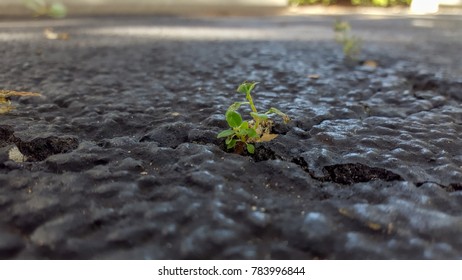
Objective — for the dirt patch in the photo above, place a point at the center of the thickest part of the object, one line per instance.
(37, 149)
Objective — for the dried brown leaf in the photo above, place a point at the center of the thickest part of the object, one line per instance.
(314, 76)
(52, 35)
(6, 109)
(266, 137)
(5, 102)
(374, 226)
(345, 212)
(370, 63)
(7, 93)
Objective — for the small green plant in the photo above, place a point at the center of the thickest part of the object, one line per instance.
(42, 8)
(242, 134)
(350, 43)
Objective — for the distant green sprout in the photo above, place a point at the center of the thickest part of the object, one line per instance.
(350, 43)
(42, 8)
(243, 133)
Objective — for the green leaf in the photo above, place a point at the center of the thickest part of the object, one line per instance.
(228, 140)
(225, 133)
(259, 116)
(240, 133)
(246, 87)
(285, 117)
(252, 133)
(57, 10)
(244, 125)
(250, 148)
(233, 118)
(231, 144)
(235, 106)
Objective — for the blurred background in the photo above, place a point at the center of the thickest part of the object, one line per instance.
(13, 8)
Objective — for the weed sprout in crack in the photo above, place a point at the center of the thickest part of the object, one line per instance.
(242, 134)
(43, 8)
(351, 44)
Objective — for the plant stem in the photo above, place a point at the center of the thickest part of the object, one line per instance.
(254, 109)
(252, 106)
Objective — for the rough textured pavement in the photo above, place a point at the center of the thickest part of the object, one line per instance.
(123, 160)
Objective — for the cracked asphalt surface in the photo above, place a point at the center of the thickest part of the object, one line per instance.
(122, 159)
